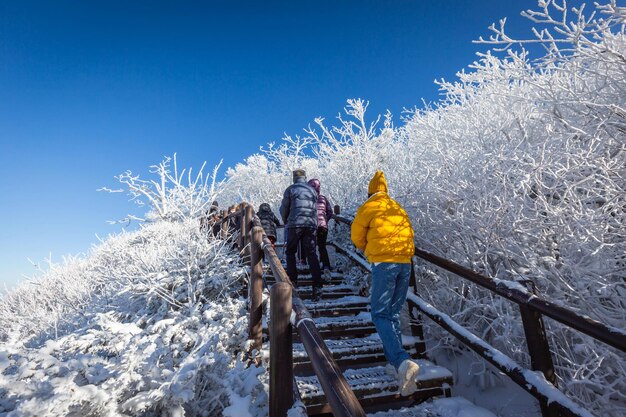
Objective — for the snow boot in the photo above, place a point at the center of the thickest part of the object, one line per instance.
(407, 372)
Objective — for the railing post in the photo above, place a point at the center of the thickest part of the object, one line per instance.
(417, 328)
(246, 226)
(281, 353)
(255, 288)
(224, 226)
(538, 348)
(242, 230)
(336, 211)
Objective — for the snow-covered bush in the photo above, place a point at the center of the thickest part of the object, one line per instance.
(149, 323)
(519, 172)
(532, 187)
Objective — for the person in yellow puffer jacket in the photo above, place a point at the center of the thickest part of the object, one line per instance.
(382, 229)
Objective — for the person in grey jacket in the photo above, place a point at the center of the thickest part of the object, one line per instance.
(299, 213)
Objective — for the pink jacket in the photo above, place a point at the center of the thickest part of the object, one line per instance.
(324, 209)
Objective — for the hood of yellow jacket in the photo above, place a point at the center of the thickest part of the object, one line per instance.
(377, 184)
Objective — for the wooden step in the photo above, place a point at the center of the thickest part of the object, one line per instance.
(307, 279)
(373, 386)
(329, 291)
(308, 282)
(305, 270)
(350, 353)
(359, 325)
(344, 306)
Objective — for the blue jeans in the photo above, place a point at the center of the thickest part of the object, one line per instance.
(390, 283)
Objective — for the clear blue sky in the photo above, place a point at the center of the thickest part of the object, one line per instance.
(89, 89)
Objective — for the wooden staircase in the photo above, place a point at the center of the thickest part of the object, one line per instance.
(343, 318)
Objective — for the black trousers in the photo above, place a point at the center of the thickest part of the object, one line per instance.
(322, 236)
(306, 235)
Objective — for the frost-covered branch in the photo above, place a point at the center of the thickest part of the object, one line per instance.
(172, 195)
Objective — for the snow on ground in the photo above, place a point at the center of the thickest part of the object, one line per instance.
(483, 385)
(442, 407)
(152, 324)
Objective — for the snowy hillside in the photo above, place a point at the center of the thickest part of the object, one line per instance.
(148, 323)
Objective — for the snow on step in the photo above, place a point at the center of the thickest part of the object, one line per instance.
(375, 379)
(359, 321)
(357, 346)
(362, 319)
(441, 407)
(338, 288)
(337, 302)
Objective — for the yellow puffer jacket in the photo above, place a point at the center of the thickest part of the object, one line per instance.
(381, 226)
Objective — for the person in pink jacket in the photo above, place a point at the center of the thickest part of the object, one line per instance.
(324, 214)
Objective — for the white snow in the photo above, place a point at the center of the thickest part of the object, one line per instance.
(441, 407)
(534, 378)
(153, 327)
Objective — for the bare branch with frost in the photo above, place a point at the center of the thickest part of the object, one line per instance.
(172, 195)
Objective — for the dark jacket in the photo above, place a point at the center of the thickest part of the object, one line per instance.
(269, 221)
(324, 209)
(299, 205)
(234, 225)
